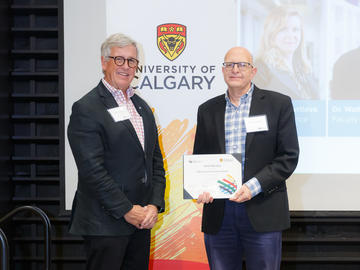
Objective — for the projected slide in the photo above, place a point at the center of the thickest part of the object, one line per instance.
(311, 53)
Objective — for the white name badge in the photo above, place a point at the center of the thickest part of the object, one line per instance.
(256, 123)
(119, 113)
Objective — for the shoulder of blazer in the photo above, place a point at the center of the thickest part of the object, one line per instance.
(94, 94)
(213, 102)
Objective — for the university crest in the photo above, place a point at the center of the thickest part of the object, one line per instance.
(171, 39)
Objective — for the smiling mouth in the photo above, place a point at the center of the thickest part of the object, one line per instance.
(122, 74)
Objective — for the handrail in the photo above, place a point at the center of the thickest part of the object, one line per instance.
(4, 251)
(47, 235)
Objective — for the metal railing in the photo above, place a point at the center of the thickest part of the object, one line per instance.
(47, 236)
(4, 251)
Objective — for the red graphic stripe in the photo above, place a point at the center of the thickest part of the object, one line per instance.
(227, 181)
(177, 265)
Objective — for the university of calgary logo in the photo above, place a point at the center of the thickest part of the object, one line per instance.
(171, 39)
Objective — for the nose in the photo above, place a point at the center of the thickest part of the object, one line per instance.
(236, 69)
(126, 64)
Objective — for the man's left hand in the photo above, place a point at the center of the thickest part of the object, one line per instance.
(151, 217)
(242, 195)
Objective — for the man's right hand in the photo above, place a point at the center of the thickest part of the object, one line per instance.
(136, 216)
(205, 197)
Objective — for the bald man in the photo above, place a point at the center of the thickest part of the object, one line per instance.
(250, 223)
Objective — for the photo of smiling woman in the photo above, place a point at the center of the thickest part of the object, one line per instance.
(281, 61)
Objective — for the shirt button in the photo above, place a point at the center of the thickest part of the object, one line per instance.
(235, 146)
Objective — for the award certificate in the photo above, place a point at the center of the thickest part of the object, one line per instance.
(220, 175)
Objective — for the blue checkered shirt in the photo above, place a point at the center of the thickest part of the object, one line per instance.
(235, 133)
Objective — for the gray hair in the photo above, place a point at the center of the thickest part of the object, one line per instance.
(117, 40)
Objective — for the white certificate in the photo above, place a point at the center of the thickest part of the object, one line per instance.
(220, 175)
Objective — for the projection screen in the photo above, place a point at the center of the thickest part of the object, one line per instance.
(323, 37)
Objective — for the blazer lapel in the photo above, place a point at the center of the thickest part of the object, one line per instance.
(255, 109)
(146, 123)
(106, 96)
(219, 121)
(110, 102)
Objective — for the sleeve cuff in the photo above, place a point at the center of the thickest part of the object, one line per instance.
(254, 186)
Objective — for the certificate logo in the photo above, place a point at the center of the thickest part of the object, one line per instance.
(171, 39)
(227, 185)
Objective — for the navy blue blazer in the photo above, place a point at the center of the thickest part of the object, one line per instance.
(270, 156)
(114, 172)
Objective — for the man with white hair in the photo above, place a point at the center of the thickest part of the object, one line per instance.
(121, 179)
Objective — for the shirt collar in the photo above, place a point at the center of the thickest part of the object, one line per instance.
(114, 91)
(244, 97)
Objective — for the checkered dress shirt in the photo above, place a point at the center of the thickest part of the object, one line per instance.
(235, 133)
(135, 118)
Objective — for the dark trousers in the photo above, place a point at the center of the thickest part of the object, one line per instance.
(237, 239)
(118, 252)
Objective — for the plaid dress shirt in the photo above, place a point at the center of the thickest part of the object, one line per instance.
(235, 133)
(135, 118)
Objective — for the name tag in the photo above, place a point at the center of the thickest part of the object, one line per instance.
(120, 113)
(256, 123)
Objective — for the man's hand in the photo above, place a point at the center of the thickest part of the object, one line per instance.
(205, 197)
(150, 218)
(242, 195)
(136, 216)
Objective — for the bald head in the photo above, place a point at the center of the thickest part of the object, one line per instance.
(238, 54)
(238, 73)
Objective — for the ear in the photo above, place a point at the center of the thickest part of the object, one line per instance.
(254, 70)
(103, 62)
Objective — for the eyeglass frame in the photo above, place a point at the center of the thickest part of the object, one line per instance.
(124, 59)
(240, 65)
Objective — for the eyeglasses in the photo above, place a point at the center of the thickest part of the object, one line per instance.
(243, 66)
(119, 61)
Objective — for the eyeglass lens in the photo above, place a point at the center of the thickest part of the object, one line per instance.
(119, 61)
(240, 65)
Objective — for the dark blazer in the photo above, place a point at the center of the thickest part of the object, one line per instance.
(270, 156)
(114, 172)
